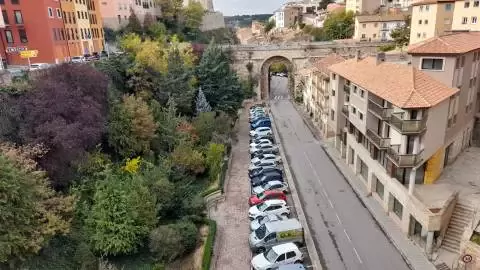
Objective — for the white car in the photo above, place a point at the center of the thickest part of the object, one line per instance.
(262, 141)
(273, 157)
(77, 59)
(261, 131)
(276, 207)
(37, 66)
(276, 256)
(263, 147)
(256, 223)
(261, 163)
(271, 185)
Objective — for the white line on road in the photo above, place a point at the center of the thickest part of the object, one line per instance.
(348, 236)
(330, 202)
(338, 218)
(325, 193)
(358, 256)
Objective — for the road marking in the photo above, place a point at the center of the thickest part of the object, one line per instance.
(338, 218)
(348, 236)
(325, 193)
(330, 202)
(358, 256)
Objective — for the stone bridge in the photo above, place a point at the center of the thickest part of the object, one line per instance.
(255, 60)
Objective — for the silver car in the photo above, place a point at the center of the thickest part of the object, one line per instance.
(254, 224)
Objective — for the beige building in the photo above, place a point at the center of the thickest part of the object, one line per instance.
(466, 15)
(316, 94)
(377, 27)
(431, 19)
(362, 6)
(115, 13)
(287, 16)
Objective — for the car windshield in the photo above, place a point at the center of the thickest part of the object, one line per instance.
(260, 195)
(76, 57)
(262, 207)
(271, 256)
(35, 65)
(260, 232)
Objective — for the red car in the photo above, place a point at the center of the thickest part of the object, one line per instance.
(266, 195)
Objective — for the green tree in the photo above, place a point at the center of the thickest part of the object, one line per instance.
(193, 14)
(218, 81)
(168, 120)
(401, 34)
(204, 124)
(31, 212)
(188, 158)
(122, 214)
(131, 127)
(269, 25)
(214, 159)
(169, 242)
(134, 25)
(339, 25)
(171, 10)
(278, 67)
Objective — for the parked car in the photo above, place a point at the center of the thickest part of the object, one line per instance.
(263, 147)
(262, 136)
(257, 118)
(271, 185)
(259, 221)
(260, 131)
(267, 177)
(276, 207)
(273, 150)
(259, 140)
(257, 110)
(263, 170)
(95, 56)
(261, 163)
(37, 66)
(77, 59)
(264, 142)
(293, 266)
(261, 123)
(267, 195)
(273, 233)
(276, 256)
(274, 157)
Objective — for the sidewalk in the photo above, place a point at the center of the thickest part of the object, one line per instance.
(412, 254)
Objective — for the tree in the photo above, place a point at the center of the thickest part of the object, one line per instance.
(269, 25)
(122, 215)
(186, 157)
(324, 3)
(131, 127)
(339, 25)
(193, 14)
(401, 34)
(10, 113)
(134, 25)
(66, 112)
(32, 213)
(204, 124)
(148, 21)
(168, 120)
(169, 242)
(214, 159)
(278, 67)
(201, 103)
(171, 10)
(218, 81)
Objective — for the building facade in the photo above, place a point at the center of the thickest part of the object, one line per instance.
(287, 16)
(377, 27)
(115, 13)
(431, 19)
(33, 25)
(466, 15)
(362, 6)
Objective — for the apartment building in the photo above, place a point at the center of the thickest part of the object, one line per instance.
(431, 19)
(377, 27)
(362, 6)
(115, 13)
(287, 16)
(316, 95)
(466, 15)
(33, 25)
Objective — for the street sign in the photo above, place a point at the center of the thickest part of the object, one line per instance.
(467, 258)
(29, 53)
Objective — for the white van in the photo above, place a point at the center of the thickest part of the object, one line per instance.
(277, 232)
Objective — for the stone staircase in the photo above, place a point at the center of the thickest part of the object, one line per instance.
(461, 218)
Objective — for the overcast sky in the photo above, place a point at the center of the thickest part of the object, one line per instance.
(242, 7)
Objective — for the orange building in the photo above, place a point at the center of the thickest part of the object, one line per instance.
(33, 25)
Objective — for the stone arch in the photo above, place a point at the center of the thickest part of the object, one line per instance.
(264, 75)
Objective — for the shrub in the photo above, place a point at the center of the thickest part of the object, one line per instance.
(208, 248)
(168, 242)
(386, 48)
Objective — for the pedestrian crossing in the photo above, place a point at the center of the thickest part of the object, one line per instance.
(280, 97)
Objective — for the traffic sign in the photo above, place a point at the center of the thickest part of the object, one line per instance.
(29, 53)
(467, 258)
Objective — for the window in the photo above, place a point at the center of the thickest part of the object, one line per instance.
(424, 34)
(333, 93)
(419, 21)
(354, 110)
(50, 12)
(5, 17)
(18, 17)
(421, 8)
(397, 208)
(374, 35)
(476, 3)
(474, 20)
(363, 35)
(63, 34)
(119, 18)
(354, 89)
(83, 36)
(332, 115)
(427, 8)
(78, 15)
(379, 188)
(364, 25)
(23, 35)
(290, 254)
(466, 4)
(334, 76)
(59, 13)
(432, 64)
(464, 20)
(362, 93)
(360, 115)
(15, 2)
(419, 35)
(9, 36)
(363, 169)
(426, 22)
(448, 7)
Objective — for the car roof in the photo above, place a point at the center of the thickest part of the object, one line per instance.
(273, 191)
(282, 248)
(274, 202)
(295, 266)
(282, 225)
(274, 182)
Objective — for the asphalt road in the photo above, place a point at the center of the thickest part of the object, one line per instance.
(346, 235)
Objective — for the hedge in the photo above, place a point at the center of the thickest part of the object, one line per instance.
(208, 248)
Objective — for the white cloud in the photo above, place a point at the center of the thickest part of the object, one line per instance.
(241, 7)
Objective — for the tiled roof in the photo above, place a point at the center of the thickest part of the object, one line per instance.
(323, 64)
(400, 84)
(425, 2)
(382, 18)
(454, 43)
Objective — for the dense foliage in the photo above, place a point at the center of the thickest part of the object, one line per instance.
(339, 25)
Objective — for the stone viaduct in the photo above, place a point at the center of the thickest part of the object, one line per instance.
(255, 60)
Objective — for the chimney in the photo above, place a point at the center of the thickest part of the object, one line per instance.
(358, 55)
(380, 58)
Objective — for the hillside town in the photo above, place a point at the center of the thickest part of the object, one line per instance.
(193, 134)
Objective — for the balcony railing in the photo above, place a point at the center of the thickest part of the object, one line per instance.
(379, 111)
(379, 141)
(346, 88)
(403, 160)
(408, 126)
(345, 110)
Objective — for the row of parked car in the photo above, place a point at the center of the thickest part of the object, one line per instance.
(275, 238)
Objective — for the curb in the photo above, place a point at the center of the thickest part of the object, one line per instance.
(312, 251)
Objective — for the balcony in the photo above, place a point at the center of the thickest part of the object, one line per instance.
(407, 126)
(346, 88)
(345, 110)
(403, 160)
(379, 141)
(379, 111)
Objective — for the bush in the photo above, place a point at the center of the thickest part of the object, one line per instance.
(208, 248)
(299, 99)
(386, 48)
(168, 242)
